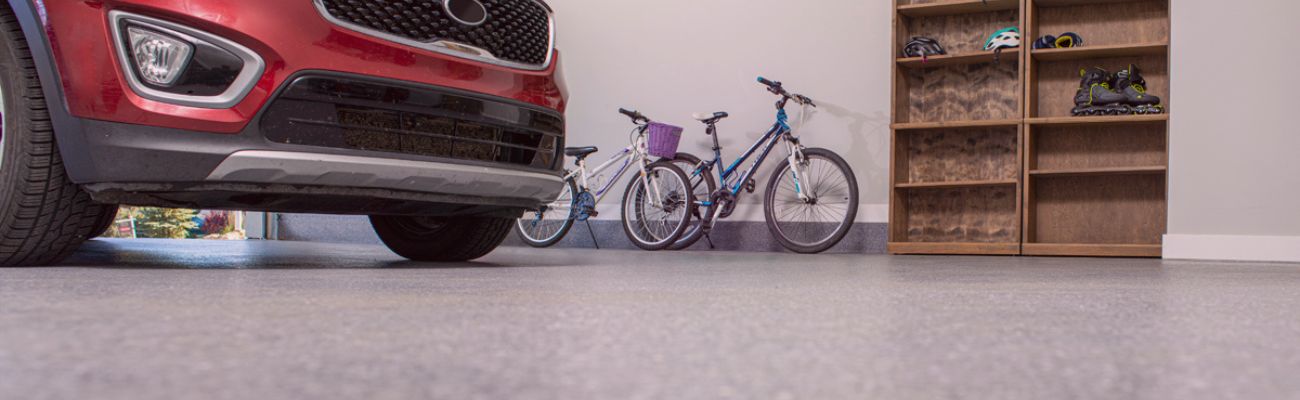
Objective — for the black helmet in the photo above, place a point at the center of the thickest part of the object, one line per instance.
(923, 47)
(1065, 41)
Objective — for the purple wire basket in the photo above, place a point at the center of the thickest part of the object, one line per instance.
(664, 139)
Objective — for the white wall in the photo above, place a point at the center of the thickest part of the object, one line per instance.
(1234, 144)
(671, 58)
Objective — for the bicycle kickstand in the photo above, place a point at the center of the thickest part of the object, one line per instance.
(593, 235)
(709, 239)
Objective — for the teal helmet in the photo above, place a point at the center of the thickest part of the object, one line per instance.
(1008, 38)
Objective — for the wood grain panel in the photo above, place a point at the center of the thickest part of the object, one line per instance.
(964, 92)
(947, 155)
(964, 215)
(1058, 81)
(1082, 147)
(1128, 209)
(1113, 23)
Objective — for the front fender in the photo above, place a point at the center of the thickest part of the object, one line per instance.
(68, 131)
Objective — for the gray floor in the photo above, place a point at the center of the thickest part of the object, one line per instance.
(177, 320)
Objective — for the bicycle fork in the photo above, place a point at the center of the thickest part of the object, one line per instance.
(799, 170)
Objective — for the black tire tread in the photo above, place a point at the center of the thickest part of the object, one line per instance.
(46, 216)
(463, 239)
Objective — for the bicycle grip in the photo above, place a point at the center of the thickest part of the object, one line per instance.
(764, 81)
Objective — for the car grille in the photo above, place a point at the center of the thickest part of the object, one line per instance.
(518, 31)
(369, 116)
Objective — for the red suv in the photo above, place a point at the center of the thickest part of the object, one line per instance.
(441, 119)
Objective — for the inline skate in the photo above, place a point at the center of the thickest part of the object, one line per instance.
(1129, 83)
(1096, 97)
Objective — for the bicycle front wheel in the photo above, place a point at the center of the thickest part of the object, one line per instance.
(548, 225)
(819, 220)
(657, 209)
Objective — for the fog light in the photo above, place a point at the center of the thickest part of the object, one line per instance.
(159, 58)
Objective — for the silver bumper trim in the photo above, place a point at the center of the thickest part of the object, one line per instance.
(281, 167)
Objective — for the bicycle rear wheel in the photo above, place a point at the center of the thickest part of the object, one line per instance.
(703, 184)
(547, 226)
(815, 224)
(657, 210)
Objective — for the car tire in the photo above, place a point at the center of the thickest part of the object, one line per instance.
(105, 222)
(43, 215)
(442, 239)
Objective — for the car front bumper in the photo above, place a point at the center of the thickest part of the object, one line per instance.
(264, 152)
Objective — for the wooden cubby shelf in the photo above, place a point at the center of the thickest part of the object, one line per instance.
(1104, 51)
(1095, 186)
(986, 157)
(1009, 55)
(956, 7)
(957, 184)
(1100, 171)
(958, 132)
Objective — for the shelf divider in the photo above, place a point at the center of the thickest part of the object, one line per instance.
(1105, 51)
(1153, 170)
(1092, 250)
(1008, 55)
(1009, 249)
(957, 184)
(1110, 119)
(956, 7)
(989, 123)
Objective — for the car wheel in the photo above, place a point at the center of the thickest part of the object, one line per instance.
(105, 222)
(43, 215)
(442, 239)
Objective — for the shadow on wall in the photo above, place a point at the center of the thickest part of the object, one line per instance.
(869, 139)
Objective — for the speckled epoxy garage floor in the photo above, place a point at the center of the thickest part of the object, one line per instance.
(178, 320)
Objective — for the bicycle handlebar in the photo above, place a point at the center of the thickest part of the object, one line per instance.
(636, 116)
(778, 89)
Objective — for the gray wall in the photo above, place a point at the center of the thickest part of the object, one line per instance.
(1235, 146)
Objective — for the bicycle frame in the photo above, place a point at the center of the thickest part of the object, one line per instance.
(780, 130)
(636, 152)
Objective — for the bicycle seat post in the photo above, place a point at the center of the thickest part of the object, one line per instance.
(712, 131)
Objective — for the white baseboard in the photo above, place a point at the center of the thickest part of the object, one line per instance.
(1232, 248)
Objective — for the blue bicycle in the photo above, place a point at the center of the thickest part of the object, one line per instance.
(811, 201)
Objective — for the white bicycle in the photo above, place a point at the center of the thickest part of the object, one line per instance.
(657, 204)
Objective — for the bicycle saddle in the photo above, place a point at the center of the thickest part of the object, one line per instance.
(711, 119)
(580, 151)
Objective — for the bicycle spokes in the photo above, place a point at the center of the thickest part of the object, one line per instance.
(813, 208)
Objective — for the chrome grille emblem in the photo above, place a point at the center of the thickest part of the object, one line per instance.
(468, 12)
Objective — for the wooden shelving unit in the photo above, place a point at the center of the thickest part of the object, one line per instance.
(986, 156)
(1095, 186)
(958, 128)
